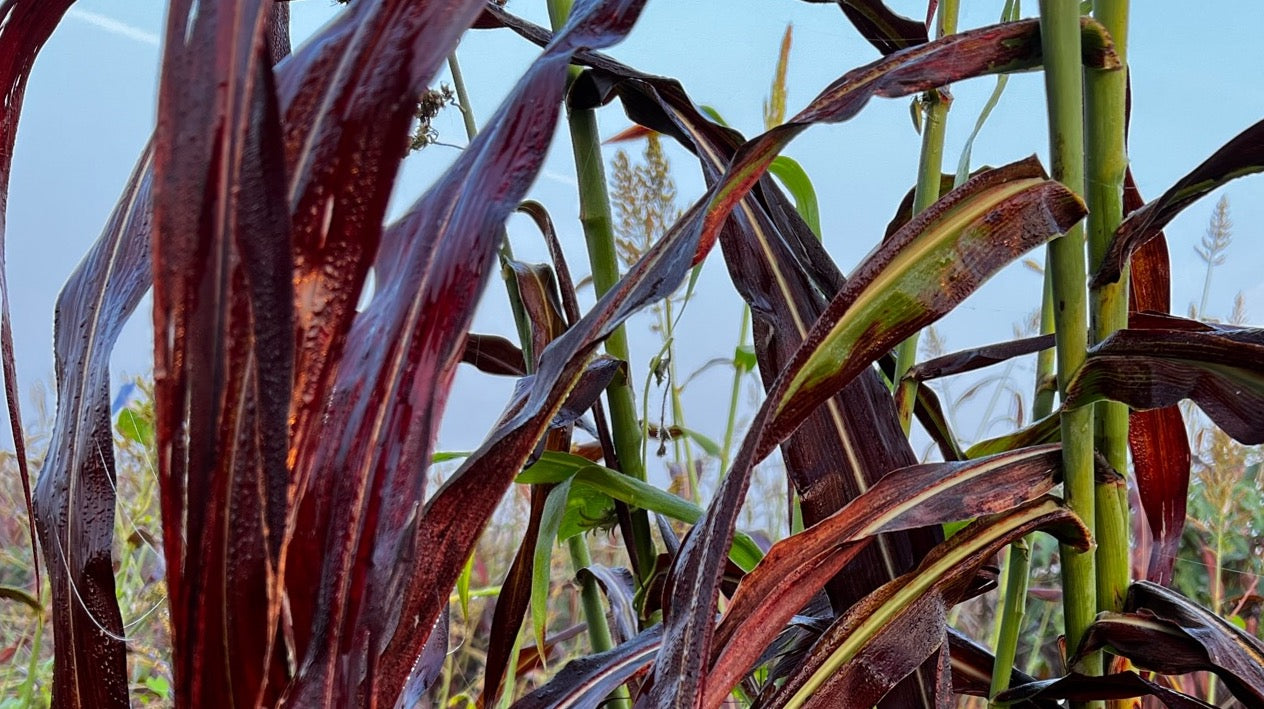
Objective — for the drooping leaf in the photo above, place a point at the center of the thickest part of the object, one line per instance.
(873, 646)
(587, 681)
(897, 290)
(27, 26)
(880, 26)
(1221, 370)
(11, 593)
(778, 265)
(557, 467)
(1157, 438)
(620, 589)
(1243, 155)
(1121, 685)
(978, 358)
(1011, 47)
(916, 496)
(1161, 630)
(795, 178)
(972, 668)
(493, 355)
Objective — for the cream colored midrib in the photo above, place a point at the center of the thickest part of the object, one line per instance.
(801, 328)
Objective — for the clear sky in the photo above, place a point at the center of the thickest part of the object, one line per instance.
(90, 108)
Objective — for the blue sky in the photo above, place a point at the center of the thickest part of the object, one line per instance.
(90, 108)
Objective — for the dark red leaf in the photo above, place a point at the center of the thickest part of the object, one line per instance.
(1243, 155)
(587, 681)
(888, 634)
(224, 353)
(882, 27)
(978, 358)
(1122, 685)
(1157, 437)
(786, 277)
(1166, 632)
(392, 560)
(972, 668)
(1220, 370)
(27, 26)
(916, 496)
(493, 355)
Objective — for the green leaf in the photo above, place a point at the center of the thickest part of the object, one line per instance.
(158, 685)
(541, 570)
(595, 486)
(135, 427)
(1008, 14)
(17, 594)
(796, 180)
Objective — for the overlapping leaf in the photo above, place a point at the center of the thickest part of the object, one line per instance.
(873, 645)
(695, 583)
(1157, 438)
(587, 681)
(223, 356)
(885, 29)
(1243, 155)
(1122, 685)
(907, 498)
(1219, 369)
(786, 277)
(921, 273)
(972, 668)
(1163, 631)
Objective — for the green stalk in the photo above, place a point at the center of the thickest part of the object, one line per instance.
(1105, 162)
(1033, 658)
(731, 424)
(1060, 36)
(929, 174)
(462, 96)
(594, 216)
(590, 598)
(594, 612)
(1017, 570)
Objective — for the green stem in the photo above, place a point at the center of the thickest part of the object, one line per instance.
(1060, 36)
(681, 444)
(462, 96)
(730, 425)
(930, 167)
(1106, 162)
(594, 610)
(1018, 566)
(1046, 360)
(594, 216)
(1033, 658)
(1217, 590)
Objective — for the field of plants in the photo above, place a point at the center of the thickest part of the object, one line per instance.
(268, 520)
